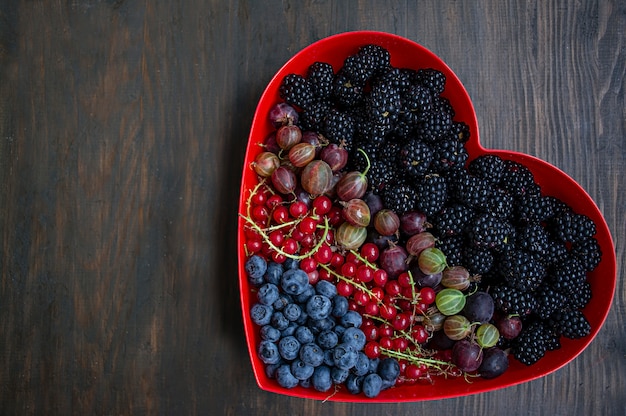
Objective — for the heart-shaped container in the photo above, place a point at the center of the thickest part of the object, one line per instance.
(553, 181)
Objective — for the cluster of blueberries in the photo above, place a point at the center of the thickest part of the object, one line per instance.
(309, 337)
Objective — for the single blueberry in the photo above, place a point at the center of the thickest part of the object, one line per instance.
(303, 297)
(294, 281)
(288, 347)
(327, 339)
(355, 337)
(339, 329)
(270, 369)
(268, 352)
(339, 375)
(292, 312)
(269, 333)
(303, 318)
(305, 383)
(326, 288)
(353, 383)
(282, 301)
(362, 365)
(312, 354)
(285, 378)
(340, 306)
(301, 370)
(318, 307)
(291, 264)
(372, 384)
(268, 294)
(329, 360)
(290, 330)
(344, 356)
(273, 273)
(374, 365)
(351, 318)
(255, 267)
(261, 314)
(279, 321)
(321, 379)
(304, 335)
(319, 325)
(388, 369)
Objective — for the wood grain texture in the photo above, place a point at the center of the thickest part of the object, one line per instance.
(122, 131)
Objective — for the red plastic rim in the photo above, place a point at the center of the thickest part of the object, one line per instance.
(553, 181)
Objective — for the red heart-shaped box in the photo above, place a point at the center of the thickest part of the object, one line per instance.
(554, 182)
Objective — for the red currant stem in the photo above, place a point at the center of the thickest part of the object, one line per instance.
(417, 359)
(279, 250)
(280, 226)
(350, 281)
(364, 260)
(253, 192)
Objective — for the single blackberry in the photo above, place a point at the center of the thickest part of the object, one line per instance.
(417, 101)
(395, 77)
(571, 324)
(556, 251)
(383, 105)
(533, 209)
(488, 167)
(568, 275)
(487, 231)
(414, 158)
(549, 301)
(381, 58)
(521, 270)
(338, 127)
(346, 92)
(452, 247)
(312, 119)
(434, 125)
(460, 131)
(512, 301)
(530, 345)
(356, 159)
(321, 76)
(449, 154)
(588, 252)
(518, 180)
(533, 238)
(432, 79)
(432, 194)
(453, 219)
(500, 203)
(470, 190)
(399, 197)
(380, 175)
(580, 298)
(296, 90)
(359, 68)
(572, 227)
(478, 261)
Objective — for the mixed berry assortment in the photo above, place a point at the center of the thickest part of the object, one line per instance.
(381, 255)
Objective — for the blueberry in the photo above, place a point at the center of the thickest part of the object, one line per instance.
(268, 294)
(288, 347)
(270, 369)
(329, 360)
(304, 335)
(255, 267)
(353, 383)
(318, 307)
(327, 339)
(372, 384)
(303, 318)
(339, 329)
(344, 356)
(351, 318)
(321, 379)
(294, 281)
(388, 369)
(374, 365)
(291, 264)
(279, 321)
(324, 287)
(273, 273)
(362, 365)
(261, 314)
(339, 375)
(290, 330)
(305, 383)
(354, 337)
(292, 312)
(312, 354)
(305, 295)
(282, 301)
(285, 378)
(268, 352)
(340, 306)
(319, 325)
(301, 370)
(269, 333)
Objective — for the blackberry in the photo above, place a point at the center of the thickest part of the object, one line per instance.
(432, 193)
(488, 167)
(346, 92)
(521, 270)
(518, 179)
(487, 231)
(588, 252)
(552, 339)
(453, 219)
(415, 158)
(434, 125)
(383, 105)
(452, 247)
(417, 101)
(399, 197)
(359, 68)
(533, 238)
(338, 127)
(533, 209)
(312, 119)
(432, 79)
(460, 131)
(470, 190)
(580, 298)
(380, 175)
(448, 154)
(530, 345)
(568, 275)
(381, 58)
(571, 324)
(296, 90)
(500, 203)
(572, 227)
(512, 301)
(478, 261)
(321, 76)
(395, 77)
(549, 301)
(556, 251)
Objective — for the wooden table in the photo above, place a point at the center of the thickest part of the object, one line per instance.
(122, 131)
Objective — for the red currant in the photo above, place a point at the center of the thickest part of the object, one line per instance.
(314, 277)
(308, 264)
(308, 225)
(254, 246)
(370, 331)
(260, 197)
(280, 215)
(335, 217)
(290, 246)
(413, 371)
(326, 275)
(372, 350)
(427, 295)
(419, 334)
(371, 308)
(344, 288)
(369, 251)
(392, 287)
(274, 201)
(348, 269)
(386, 342)
(385, 330)
(336, 261)
(277, 238)
(260, 213)
(322, 205)
(401, 321)
(278, 257)
(400, 344)
(380, 278)
(364, 273)
(404, 280)
(298, 209)
(387, 311)
(324, 254)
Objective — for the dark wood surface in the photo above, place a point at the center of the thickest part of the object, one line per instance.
(122, 132)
